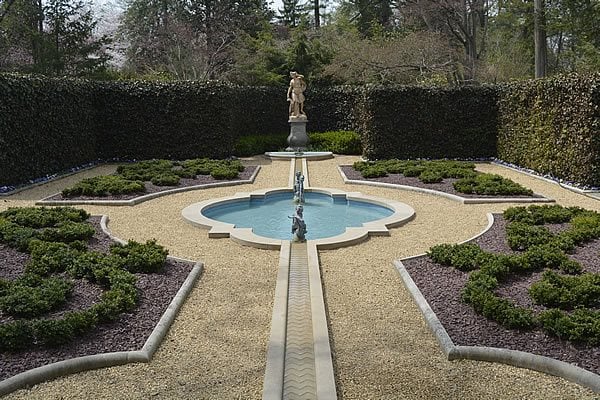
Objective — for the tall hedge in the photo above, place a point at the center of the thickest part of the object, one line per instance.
(44, 127)
(552, 126)
(142, 120)
(415, 122)
(332, 108)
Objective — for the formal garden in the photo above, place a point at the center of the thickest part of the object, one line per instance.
(530, 282)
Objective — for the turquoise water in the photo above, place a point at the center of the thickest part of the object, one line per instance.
(324, 215)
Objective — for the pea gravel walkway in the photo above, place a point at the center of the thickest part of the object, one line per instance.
(382, 349)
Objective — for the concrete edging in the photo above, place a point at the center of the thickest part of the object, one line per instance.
(492, 354)
(141, 199)
(85, 363)
(463, 200)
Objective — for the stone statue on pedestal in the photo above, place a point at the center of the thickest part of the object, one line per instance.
(295, 95)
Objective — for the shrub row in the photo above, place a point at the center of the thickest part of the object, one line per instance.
(130, 177)
(469, 181)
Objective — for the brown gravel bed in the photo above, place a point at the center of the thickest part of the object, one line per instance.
(128, 333)
(442, 287)
(444, 186)
(152, 188)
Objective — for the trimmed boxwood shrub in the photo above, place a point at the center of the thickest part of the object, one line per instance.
(147, 258)
(32, 296)
(490, 184)
(567, 292)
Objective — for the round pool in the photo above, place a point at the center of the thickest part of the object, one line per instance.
(268, 216)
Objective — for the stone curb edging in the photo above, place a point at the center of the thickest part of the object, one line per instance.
(141, 199)
(515, 358)
(463, 200)
(85, 363)
(545, 179)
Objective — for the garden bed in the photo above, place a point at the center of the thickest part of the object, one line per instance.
(128, 333)
(446, 186)
(152, 188)
(442, 286)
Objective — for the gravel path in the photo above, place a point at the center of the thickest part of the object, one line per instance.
(382, 348)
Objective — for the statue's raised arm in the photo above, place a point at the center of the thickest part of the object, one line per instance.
(295, 95)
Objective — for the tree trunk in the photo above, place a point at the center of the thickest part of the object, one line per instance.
(539, 38)
(317, 14)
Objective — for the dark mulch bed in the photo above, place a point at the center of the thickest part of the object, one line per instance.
(444, 186)
(152, 188)
(126, 334)
(442, 287)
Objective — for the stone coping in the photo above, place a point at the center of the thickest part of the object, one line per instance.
(460, 199)
(353, 235)
(311, 155)
(85, 363)
(137, 200)
(515, 358)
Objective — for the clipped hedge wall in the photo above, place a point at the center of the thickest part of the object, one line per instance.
(144, 120)
(416, 122)
(44, 127)
(332, 108)
(552, 126)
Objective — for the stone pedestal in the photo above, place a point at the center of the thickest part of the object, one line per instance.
(298, 139)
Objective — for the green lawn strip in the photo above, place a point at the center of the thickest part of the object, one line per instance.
(55, 261)
(130, 178)
(572, 298)
(435, 171)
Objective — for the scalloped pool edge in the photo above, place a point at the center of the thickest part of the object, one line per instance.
(85, 363)
(353, 235)
(515, 358)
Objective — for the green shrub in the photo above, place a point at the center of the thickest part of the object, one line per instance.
(16, 236)
(165, 179)
(104, 185)
(490, 184)
(338, 142)
(374, 171)
(53, 332)
(48, 257)
(522, 236)
(464, 257)
(431, 176)
(145, 170)
(539, 215)
(43, 217)
(582, 325)
(22, 299)
(224, 173)
(17, 335)
(413, 171)
(68, 232)
(146, 258)
(251, 145)
(567, 292)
